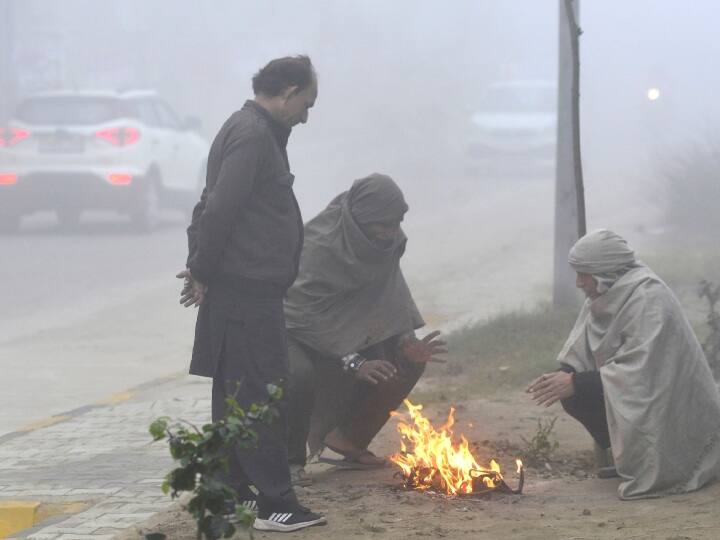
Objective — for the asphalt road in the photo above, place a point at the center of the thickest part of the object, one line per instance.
(92, 312)
(88, 313)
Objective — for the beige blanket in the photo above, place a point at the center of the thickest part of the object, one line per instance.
(662, 404)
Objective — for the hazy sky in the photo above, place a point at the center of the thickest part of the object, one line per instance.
(398, 80)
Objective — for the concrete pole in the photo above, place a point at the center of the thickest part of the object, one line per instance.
(569, 195)
(8, 80)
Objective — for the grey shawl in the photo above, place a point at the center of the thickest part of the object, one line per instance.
(662, 404)
(350, 293)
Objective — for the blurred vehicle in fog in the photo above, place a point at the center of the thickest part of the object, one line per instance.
(71, 151)
(514, 126)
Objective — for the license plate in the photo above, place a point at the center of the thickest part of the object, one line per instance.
(61, 143)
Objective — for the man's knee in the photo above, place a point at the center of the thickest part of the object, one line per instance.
(571, 406)
(413, 371)
(301, 376)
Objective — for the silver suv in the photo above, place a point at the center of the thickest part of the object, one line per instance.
(73, 151)
(515, 124)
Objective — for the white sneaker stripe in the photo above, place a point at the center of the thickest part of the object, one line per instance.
(272, 516)
(283, 518)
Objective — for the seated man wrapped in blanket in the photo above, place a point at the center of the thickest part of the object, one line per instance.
(633, 373)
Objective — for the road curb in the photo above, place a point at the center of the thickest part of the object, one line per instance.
(111, 400)
(16, 516)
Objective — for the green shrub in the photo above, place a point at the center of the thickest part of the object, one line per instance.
(202, 453)
(541, 447)
(711, 344)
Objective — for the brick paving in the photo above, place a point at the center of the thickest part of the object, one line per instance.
(103, 456)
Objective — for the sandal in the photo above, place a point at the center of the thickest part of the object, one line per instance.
(354, 460)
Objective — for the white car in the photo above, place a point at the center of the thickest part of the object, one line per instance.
(515, 124)
(72, 151)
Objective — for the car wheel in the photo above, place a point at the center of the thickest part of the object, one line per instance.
(147, 215)
(9, 222)
(69, 218)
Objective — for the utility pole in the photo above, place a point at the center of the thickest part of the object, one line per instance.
(569, 192)
(8, 80)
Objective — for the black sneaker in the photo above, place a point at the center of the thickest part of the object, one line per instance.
(246, 497)
(297, 518)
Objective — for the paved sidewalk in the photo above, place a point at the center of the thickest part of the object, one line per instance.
(101, 456)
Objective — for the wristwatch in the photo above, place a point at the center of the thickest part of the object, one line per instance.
(352, 362)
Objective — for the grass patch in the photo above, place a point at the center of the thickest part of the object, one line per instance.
(500, 354)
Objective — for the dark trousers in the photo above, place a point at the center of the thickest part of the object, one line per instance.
(589, 410)
(322, 397)
(253, 354)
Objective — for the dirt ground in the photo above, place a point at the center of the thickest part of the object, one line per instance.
(562, 501)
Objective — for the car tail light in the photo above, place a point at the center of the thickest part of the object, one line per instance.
(12, 136)
(120, 179)
(119, 136)
(8, 179)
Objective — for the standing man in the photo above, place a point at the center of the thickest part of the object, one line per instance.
(244, 249)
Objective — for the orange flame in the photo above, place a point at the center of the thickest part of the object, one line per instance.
(434, 461)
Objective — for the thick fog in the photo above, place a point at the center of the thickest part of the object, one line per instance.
(404, 89)
(398, 80)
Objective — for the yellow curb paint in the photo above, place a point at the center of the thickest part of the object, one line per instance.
(48, 510)
(45, 422)
(52, 420)
(16, 516)
(116, 398)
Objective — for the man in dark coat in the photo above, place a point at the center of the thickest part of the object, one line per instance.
(244, 249)
(351, 320)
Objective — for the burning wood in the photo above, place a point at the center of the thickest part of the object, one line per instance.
(429, 460)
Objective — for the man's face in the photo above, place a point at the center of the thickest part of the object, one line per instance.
(588, 284)
(382, 234)
(297, 103)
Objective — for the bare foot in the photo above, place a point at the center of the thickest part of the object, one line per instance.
(340, 445)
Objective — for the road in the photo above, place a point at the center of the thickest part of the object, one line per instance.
(88, 314)
(94, 312)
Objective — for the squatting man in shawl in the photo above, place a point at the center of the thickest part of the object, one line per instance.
(633, 373)
(350, 317)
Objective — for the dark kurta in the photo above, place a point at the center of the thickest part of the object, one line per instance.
(246, 232)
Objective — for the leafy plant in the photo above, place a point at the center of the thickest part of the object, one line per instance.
(543, 444)
(711, 345)
(201, 454)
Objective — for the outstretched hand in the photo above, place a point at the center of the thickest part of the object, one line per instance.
(551, 387)
(193, 292)
(424, 350)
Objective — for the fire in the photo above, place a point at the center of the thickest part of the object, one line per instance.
(433, 461)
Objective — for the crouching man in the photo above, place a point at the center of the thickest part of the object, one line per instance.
(350, 318)
(633, 373)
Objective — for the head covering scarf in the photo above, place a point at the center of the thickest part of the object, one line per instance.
(605, 255)
(351, 293)
(662, 404)
(376, 199)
